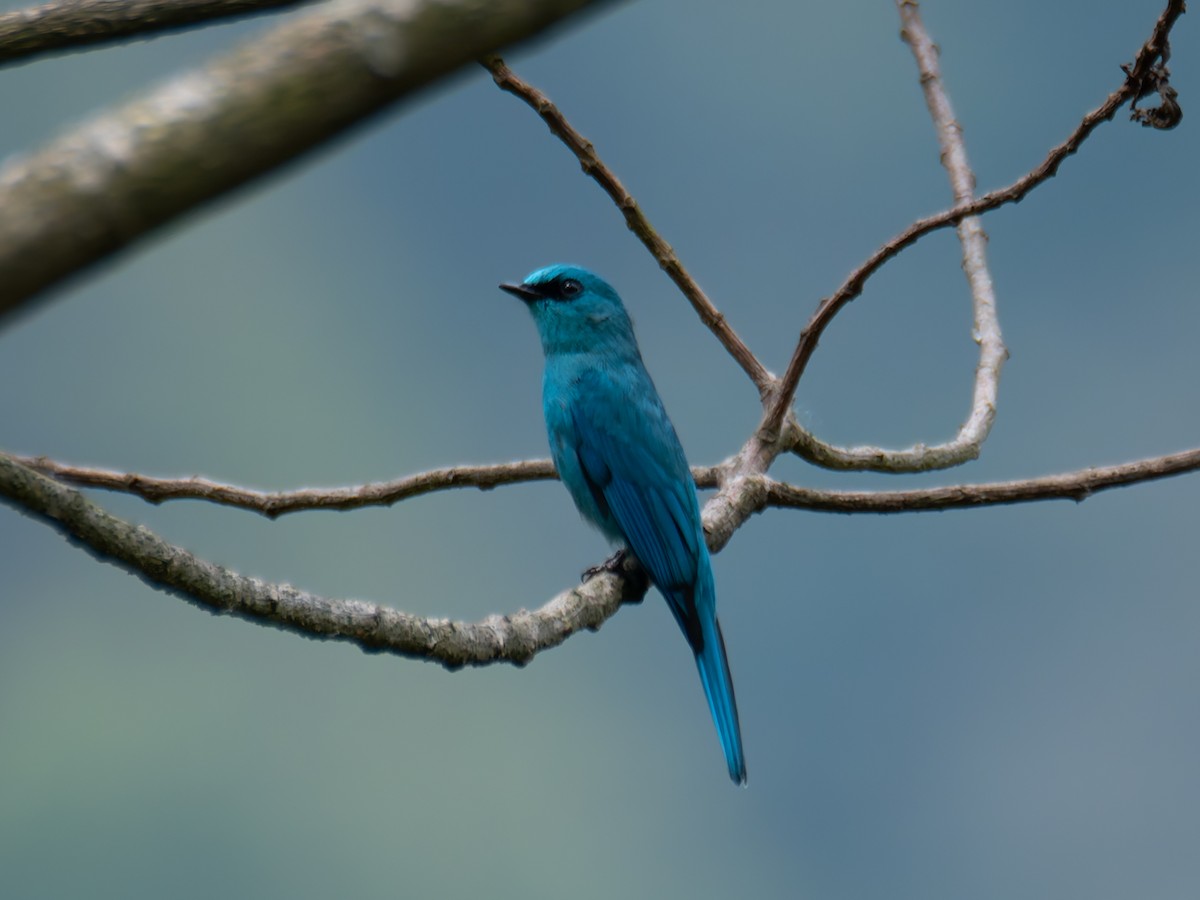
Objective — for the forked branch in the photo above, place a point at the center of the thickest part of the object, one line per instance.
(1077, 485)
(273, 504)
(966, 444)
(1136, 77)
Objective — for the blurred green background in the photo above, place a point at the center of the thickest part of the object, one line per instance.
(994, 703)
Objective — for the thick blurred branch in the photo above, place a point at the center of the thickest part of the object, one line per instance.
(80, 24)
(102, 186)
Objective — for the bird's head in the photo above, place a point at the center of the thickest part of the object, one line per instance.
(575, 310)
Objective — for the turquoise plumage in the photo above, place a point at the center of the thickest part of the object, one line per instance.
(618, 454)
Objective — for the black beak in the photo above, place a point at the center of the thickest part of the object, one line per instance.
(521, 292)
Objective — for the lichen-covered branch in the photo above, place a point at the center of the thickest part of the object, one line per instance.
(514, 638)
(116, 178)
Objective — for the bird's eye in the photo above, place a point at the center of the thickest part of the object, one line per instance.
(570, 288)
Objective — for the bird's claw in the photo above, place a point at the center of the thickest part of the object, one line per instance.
(635, 577)
(613, 564)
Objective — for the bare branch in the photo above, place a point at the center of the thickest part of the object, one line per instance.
(512, 639)
(101, 187)
(1136, 74)
(968, 442)
(635, 219)
(79, 24)
(273, 504)
(1076, 486)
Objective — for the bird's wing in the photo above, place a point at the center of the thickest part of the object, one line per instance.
(630, 456)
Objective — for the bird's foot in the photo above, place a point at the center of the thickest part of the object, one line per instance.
(613, 564)
(636, 581)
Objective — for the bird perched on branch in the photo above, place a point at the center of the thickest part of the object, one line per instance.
(617, 453)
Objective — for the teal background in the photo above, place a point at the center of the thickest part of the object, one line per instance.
(993, 703)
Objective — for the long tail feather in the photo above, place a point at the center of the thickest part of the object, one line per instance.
(718, 688)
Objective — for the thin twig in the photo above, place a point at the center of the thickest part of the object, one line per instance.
(968, 442)
(273, 504)
(1076, 486)
(635, 219)
(80, 24)
(1147, 57)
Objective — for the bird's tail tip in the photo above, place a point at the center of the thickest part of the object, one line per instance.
(718, 688)
(736, 761)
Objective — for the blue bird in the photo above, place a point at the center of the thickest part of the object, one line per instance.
(618, 454)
